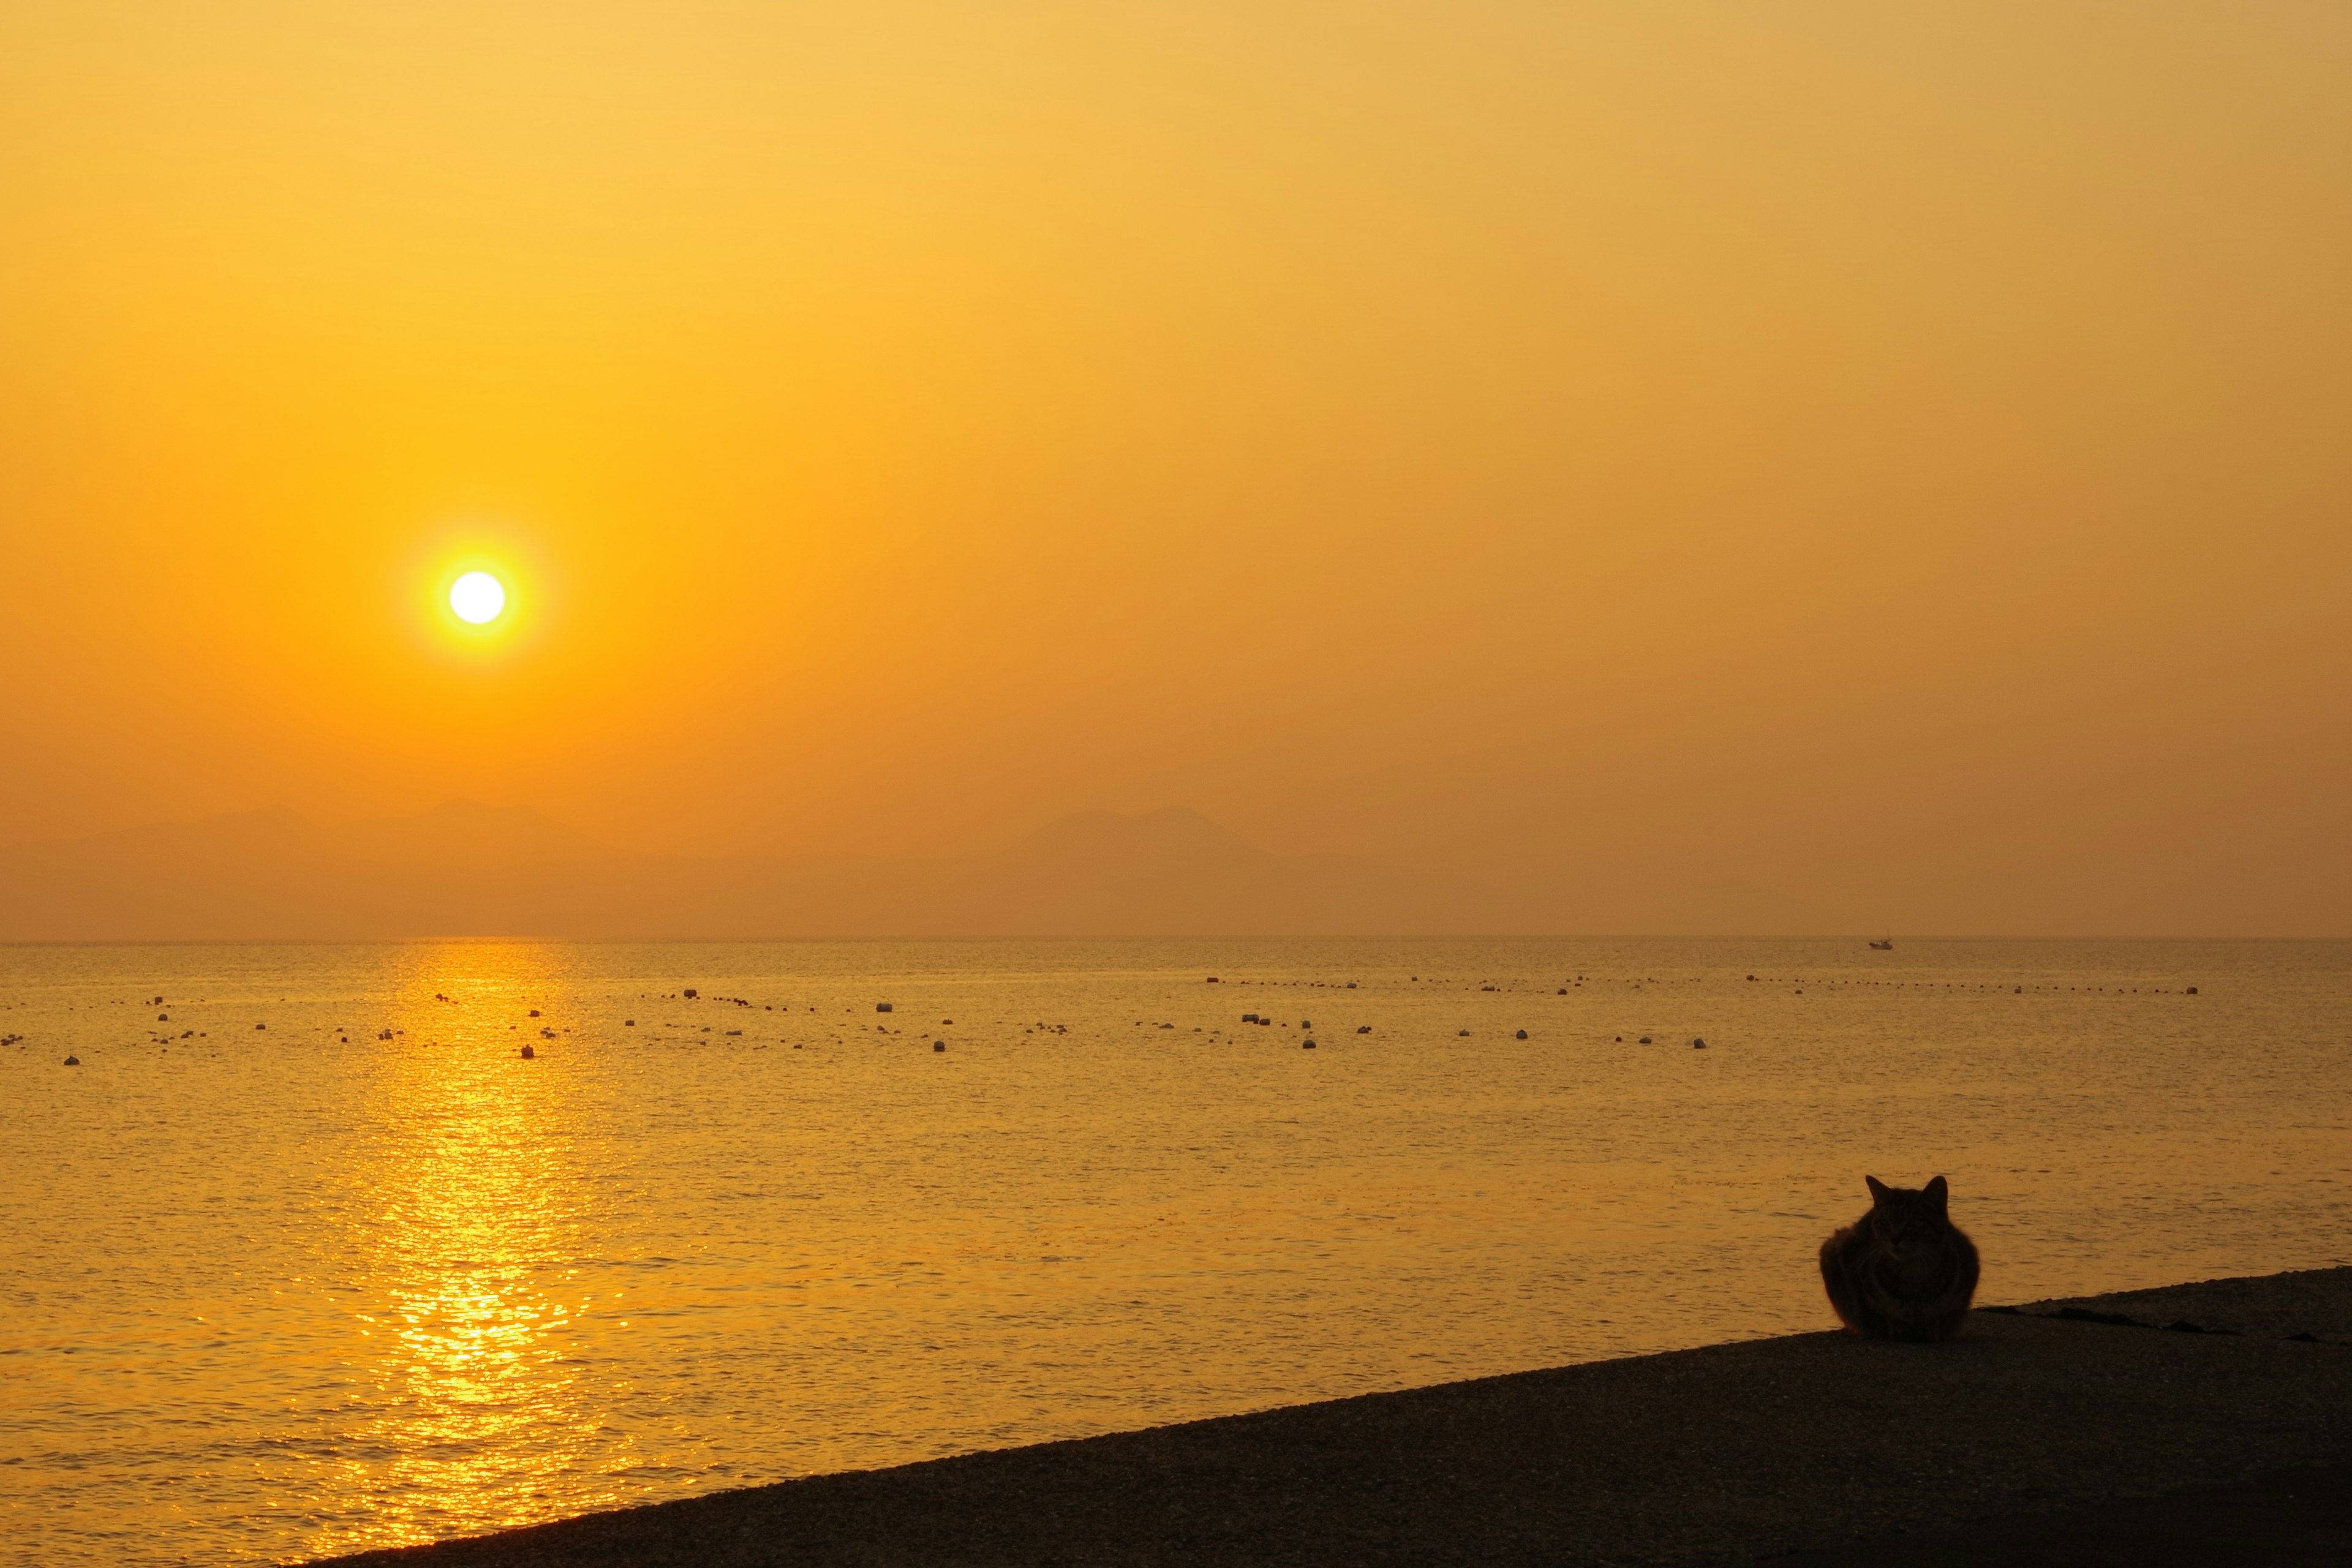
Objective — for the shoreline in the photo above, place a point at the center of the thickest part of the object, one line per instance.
(1818, 1443)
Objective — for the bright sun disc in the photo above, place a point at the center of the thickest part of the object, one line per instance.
(477, 598)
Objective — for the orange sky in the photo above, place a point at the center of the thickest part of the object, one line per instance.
(1890, 455)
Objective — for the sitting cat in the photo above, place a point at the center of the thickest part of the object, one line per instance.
(1904, 1270)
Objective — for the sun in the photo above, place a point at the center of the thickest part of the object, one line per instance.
(478, 598)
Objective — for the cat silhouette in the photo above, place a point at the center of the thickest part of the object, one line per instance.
(1902, 1270)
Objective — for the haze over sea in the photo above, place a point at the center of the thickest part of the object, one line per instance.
(276, 1291)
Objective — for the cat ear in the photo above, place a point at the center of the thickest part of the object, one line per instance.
(1877, 1189)
(1937, 1193)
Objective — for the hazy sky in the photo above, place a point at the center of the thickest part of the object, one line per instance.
(1895, 455)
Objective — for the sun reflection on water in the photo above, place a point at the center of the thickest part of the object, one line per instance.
(471, 1239)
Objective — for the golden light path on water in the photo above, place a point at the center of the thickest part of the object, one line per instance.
(476, 1225)
(323, 1262)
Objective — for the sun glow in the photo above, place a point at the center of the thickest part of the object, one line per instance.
(478, 598)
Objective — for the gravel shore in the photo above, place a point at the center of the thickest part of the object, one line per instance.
(2059, 1427)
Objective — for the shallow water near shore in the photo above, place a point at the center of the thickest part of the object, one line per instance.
(277, 1292)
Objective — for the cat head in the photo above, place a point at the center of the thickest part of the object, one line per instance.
(1907, 1220)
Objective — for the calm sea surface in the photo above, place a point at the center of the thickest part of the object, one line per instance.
(271, 1292)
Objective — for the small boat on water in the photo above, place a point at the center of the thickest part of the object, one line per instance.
(1887, 945)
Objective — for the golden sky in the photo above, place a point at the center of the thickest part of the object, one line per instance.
(1895, 455)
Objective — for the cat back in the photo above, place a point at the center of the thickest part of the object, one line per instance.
(1902, 1270)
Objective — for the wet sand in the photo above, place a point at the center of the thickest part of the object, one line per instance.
(2044, 1434)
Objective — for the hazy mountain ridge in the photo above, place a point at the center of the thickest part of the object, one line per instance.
(468, 869)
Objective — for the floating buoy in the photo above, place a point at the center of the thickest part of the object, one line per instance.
(1645, 1039)
(528, 1053)
(73, 1061)
(1563, 989)
(261, 1025)
(163, 1017)
(879, 1006)
(628, 1023)
(939, 1044)
(2192, 991)
(1212, 979)
(1521, 1036)
(1306, 1044)
(534, 1012)
(1698, 1045)
(1305, 1023)
(1462, 1034)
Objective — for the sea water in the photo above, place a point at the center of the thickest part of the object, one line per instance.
(304, 1255)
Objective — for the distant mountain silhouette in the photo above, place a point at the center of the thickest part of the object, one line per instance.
(1176, 873)
(468, 869)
